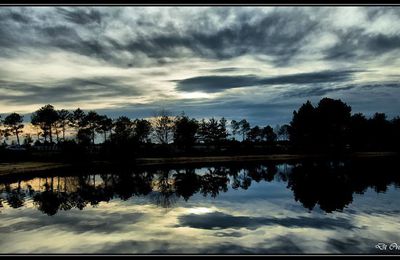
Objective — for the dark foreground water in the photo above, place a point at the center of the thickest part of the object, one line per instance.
(262, 208)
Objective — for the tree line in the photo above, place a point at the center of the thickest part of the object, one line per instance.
(52, 127)
(329, 125)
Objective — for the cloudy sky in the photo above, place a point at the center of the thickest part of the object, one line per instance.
(259, 63)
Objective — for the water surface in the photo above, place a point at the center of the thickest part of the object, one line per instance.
(260, 208)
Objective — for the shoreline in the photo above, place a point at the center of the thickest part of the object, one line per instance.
(34, 166)
(249, 158)
(26, 167)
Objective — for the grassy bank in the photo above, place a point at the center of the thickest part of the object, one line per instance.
(24, 167)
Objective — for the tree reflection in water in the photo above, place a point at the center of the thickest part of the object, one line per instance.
(330, 185)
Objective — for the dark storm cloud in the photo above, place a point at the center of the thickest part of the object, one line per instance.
(74, 30)
(220, 83)
(313, 91)
(68, 90)
(358, 44)
(281, 34)
(219, 220)
(61, 32)
(316, 91)
(240, 38)
(52, 33)
(81, 16)
(19, 17)
(379, 85)
(382, 43)
(14, 16)
(275, 34)
(313, 77)
(217, 83)
(68, 39)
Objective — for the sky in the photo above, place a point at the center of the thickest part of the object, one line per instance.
(258, 63)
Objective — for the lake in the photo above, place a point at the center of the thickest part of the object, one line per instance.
(309, 207)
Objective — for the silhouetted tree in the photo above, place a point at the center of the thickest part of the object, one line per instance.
(222, 131)
(283, 132)
(378, 129)
(302, 125)
(39, 124)
(395, 132)
(324, 127)
(92, 123)
(255, 134)
(1, 130)
(123, 129)
(37, 128)
(357, 132)
(142, 129)
(269, 134)
(84, 136)
(77, 120)
(185, 130)
(235, 125)
(46, 118)
(333, 117)
(213, 131)
(244, 128)
(104, 125)
(202, 133)
(63, 121)
(13, 124)
(163, 127)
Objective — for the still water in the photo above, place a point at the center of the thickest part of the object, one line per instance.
(260, 208)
